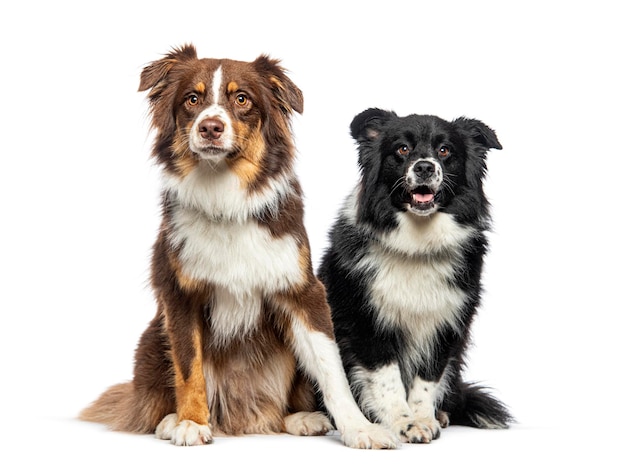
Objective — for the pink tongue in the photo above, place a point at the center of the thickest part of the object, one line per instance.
(421, 198)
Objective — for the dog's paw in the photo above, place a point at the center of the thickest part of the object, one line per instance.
(417, 431)
(185, 433)
(370, 436)
(308, 424)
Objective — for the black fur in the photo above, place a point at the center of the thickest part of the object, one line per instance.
(390, 147)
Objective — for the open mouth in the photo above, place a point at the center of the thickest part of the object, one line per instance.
(422, 199)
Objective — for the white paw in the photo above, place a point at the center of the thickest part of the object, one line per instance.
(308, 424)
(370, 436)
(415, 430)
(185, 433)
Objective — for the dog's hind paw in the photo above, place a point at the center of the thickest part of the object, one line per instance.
(371, 436)
(185, 433)
(308, 424)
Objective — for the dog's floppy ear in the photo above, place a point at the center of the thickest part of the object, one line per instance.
(156, 72)
(481, 134)
(287, 94)
(156, 77)
(479, 139)
(367, 125)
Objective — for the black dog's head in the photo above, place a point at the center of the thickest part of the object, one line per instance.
(421, 164)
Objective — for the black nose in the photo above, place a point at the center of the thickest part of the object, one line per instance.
(211, 128)
(424, 169)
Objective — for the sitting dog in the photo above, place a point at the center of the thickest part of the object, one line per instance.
(403, 269)
(242, 336)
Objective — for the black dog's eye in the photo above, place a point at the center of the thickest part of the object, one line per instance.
(443, 151)
(403, 150)
(193, 100)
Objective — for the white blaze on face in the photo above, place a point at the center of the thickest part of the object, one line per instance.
(217, 146)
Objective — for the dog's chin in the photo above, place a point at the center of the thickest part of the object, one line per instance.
(211, 153)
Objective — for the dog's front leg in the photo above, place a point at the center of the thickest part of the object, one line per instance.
(384, 396)
(317, 352)
(190, 424)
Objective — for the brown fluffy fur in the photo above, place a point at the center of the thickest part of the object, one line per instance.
(256, 378)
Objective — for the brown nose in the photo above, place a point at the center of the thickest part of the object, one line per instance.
(211, 128)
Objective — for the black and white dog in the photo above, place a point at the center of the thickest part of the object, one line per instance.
(403, 269)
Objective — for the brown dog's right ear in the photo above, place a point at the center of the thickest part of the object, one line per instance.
(156, 78)
(157, 71)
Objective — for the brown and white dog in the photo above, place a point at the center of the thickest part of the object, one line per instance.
(243, 332)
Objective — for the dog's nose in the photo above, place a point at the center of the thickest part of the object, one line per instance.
(424, 169)
(211, 128)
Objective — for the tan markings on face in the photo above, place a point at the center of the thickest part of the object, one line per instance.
(200, 87)
(248, 162)
(232, 87)
(184, 161)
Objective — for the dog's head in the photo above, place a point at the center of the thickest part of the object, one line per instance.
(220, 111)
(421, 164)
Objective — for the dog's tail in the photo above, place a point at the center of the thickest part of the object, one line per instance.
(470, 404)
(123, 408)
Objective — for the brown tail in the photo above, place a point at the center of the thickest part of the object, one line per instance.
(123, 408)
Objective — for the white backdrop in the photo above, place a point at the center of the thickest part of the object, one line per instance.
(79, 206)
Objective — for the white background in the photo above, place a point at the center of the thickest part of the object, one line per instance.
(79, 208)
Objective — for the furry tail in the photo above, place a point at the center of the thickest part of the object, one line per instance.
(472, 405)
(122, 408)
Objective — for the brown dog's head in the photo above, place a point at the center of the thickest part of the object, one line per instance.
(221, 112)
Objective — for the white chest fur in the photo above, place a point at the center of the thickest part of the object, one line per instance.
(241, 260)
(221, 243)
(239, 256)
(412, 269)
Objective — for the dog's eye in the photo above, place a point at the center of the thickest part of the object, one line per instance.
(403, 151)
(443, 151)
(241, 99)
(193, 100)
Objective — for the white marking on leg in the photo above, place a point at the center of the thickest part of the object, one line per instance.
(383, 395)
(319, 355)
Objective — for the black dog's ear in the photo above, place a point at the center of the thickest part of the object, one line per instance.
(479, 133)
(367, 125)
(479, 138)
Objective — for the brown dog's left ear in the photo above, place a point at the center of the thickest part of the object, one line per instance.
(288, 95)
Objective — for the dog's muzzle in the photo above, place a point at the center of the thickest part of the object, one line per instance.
(423, 180)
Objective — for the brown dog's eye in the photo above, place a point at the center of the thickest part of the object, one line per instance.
(444, 151)
(403, 150)
(192, 100)
(241, 99)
